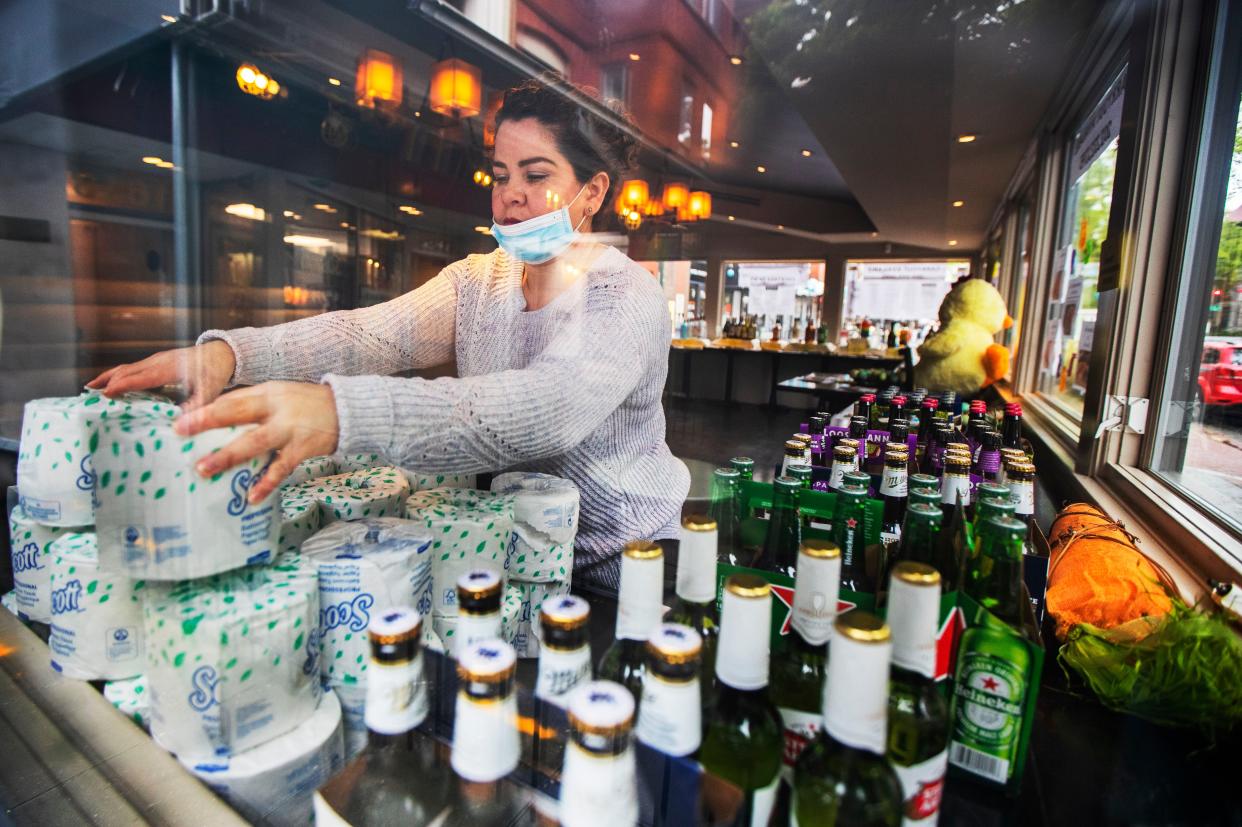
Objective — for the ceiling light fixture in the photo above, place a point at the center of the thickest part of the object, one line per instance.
(953, 242)
(966, 138)
(736, 60)
(806, 153)
(761, 168)
(334, 81)
(154, 160)
(328, 208)
(635, 56)
(731, 218)
(165, 165)
(311, 241)
(168, 18)
(244, 210)
(410, 210)
(959, 203)
(734, 144)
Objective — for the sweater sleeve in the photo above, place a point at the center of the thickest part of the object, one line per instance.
(497, 420)
(411, 331)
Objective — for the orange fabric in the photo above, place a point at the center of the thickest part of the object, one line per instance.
(995, 363)
(1097, 575)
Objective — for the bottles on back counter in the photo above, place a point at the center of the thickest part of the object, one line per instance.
(780, 548)
(479, 592)
(599, 781)
(918, 715)
(744, 741)
(696, 586)
(847, 532)
(725, 509)
(671, 717)
(994, 573)
(842, 777)
(639, 606)
(893, 492)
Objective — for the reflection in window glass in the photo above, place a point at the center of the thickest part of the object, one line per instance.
(888, 303)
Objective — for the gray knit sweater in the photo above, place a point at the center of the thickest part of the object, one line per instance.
(572, 389)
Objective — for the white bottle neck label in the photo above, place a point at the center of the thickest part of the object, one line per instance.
(473, 628)
(951, 486)
(670, 717)
(894, 483)
(1024, 498)
(696, 566)
(837, 476)
(396, 700)
(560, 670)
(921, 787)
(599, 790)
(639, 606)
(486, 744)
(856, 694)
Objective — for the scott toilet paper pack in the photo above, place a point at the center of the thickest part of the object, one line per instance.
(545, 512)
(300, 517)
(356, 495)
(131, 699)
(55, 474)
(233, 659)
(158, 519)
(310, 469)
(273, 784)
(30, 545)
(425, 480)
(96, 616)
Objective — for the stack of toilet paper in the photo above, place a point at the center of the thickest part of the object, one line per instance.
(348, 463)
(131, 699)
(55, 472)
(300, 517)
(541, 558)
(310, 469)
(30, 545)
(232, 659)
(426, 480)
(510, 613)
(357, 495)
(96, 616)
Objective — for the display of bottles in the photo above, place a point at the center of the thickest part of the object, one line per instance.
(599, 781)
(696, 586)
(1020, 477)
(1011, 426)
(989, 507)
(843, 777)
(847, 532)
(725, 509)
(780, 548)
(844, 458)
(798, 672)
(744, 739)
(479, 592)
(795, 330)
(918, 715)
(639, 607)
(920, 537)
(671, 716)
(486, 742)
(893, 492)
(994, 573)
(564, 651)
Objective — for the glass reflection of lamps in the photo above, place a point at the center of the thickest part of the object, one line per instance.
(456, 88)
(675, 196)
(633, 220)
(378, 79)
(700, 205)
(634, 194)
(252, 81)
(654, 208)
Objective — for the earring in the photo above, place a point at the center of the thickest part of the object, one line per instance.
(588, 210)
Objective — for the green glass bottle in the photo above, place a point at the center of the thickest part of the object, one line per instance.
(780, 548)
(922, 482)
(919, 537)
(993, 669)
(725, 510)
(798, 672)
(745, 467)
(744, 738)
(930, 496)
(696, 588)
(988, 507)
(639, 606)
(803, 474)
(847, 532)
(843, 777)
(994, 575)
(918, 714)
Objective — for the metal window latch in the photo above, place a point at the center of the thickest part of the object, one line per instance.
(1123, 413)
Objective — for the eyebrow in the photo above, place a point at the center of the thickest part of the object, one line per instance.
(527, 161)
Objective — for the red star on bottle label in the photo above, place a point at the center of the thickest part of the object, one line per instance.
(785, 597)
(990, 684)
(851, 522)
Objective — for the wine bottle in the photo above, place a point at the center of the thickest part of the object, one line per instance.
(696, 587)
(843, 777)
(671, 716)
(639, 608)
(478, 608)
(599, 782)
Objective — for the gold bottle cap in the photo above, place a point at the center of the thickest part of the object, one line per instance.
(748, 585)
(675, 644)
(844, 452)
(566, 612)
(823, 549)
(1020, 468)
(957, 446)
(803, 438)
(848, 440)
(793, 446)
(918, 574)
(479, 584)
(958, 462)
(698, 522)
(642, 550)
(861, 626)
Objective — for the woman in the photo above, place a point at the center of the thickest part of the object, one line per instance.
(561, 344)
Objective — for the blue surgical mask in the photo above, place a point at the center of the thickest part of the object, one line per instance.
(539, 239)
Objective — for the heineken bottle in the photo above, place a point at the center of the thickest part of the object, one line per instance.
(893, 492)
(927, 496)
(798, 672)
(639, 606)
(994, 574)
(803, 474)
(725, 509)
(479, 592)
(671, 716)
(924, 482)
(848, 533)
(743, 741)
(696, 587)
(988, 507)
(918, 715)
(844, 459)
(599, 782)
(780, 549)
(745, 467)
(842, 777)
(919, 537)
(989, 690)
(859, 478)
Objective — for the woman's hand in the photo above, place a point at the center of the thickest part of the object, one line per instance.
(204, 370)
(296, 419)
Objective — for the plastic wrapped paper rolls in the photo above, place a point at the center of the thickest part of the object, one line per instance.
(96, 617)
(364, 567)
(425, 481)
(468, 529)
(273, 784)
(349, 463)
(232, 659)
(29, 543)
(310, 469)
(300, 517)
(510, 611)
(55, 474)
(526, 628)
(131, 699)
(544, 504)
(158, 519)
(357, 495)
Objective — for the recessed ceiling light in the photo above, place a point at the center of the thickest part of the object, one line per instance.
(731, 218)
(165, 165)
(959, 203)
(806, 153)
(334, 81)
(953, 242)
(635, 56)
(966, 139)
(736, 60)
(154, 160)
(761, 168)
(417, 113)
(345, 224)
(734, 144)
(168, 18)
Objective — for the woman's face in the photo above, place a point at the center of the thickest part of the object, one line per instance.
(531, 177)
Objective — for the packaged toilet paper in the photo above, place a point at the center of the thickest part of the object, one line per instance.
(468, 529)
(232, 659)
(274, 783)
(545, 505)
(425, 480)
(365, 566)
(158, 519)
(131, 699)
(349, 463)
(300, 517)
(96, 616)
(526, 627)
(310, 469)
(9, 601)
(510, 611)
(373, 492)
(55, 474)
(30, 546)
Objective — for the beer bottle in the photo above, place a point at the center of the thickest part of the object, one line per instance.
(725, 509)
(479, 592)
(987, 463)
(745, 467)
(599, 782)
(918, 715)
(803, 474)
(919, 538)
(564, 651)
(671, 716)
(893, 491)
(899, 433)
(1021, 479)
(865, 407)
(798, 673)
(989, 507)
(743, 742)
(927, 423)
(1011, 426)
(816, 422)
(955, 486)
(859, 478)
(993, 670)
(924, 482)
(794, 451)
(696, 586)
(994, 573)
(844, 458)
(842, 777)
(1009, 455)
(847, 532)
(897, 409)
(780, 549)
(639, 606)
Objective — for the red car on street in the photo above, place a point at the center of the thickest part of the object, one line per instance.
(1220, 372)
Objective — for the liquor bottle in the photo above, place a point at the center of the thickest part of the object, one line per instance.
(744, 739)
(844, 458)
(843, 777)
(795, 330)
(919, 541)
(696, 586)
(847, 532)
(955, 486)
(486, 742)
(798, 672)
(1011, 426)
(599, 783)
(638, 612)
(893, 491)
(809, 335)
(479, 592)
(780, 548)
(725, 509)
(745, 467)
(405, 777)
(565, 650)
(794, 455)
(918, 715)
(671, 716)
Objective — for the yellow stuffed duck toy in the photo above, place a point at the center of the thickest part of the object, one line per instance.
(962, 355)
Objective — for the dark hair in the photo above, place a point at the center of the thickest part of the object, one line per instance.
(590, 143)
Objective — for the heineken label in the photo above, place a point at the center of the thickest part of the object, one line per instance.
(989, 693)
(800, 730)
(921, 787)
